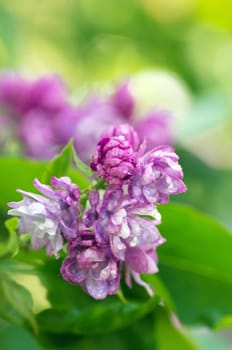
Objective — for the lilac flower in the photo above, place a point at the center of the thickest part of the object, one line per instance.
(114, 160)
(91, 215)
(20, 96)
(32, 108)
(49, 216)
(92, 266)
(140, 261)
(130, 230)
(157, 176)
(125, 223)
(65, 123)
(36, 132)
(155, 128)
(47, 93)
(123, 101)
(125, 130)
(14, 92)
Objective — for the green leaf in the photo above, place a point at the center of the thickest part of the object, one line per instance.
(168, 335)
(226, 322)
(16, 337)
(209, 189)
(152, 332)
(81, 166)
(195, 264)
(138, 336)
(10, 247)
(60, 164)
(17, 173)
(3, 324)
(160, 290)
(15, 303)
(103, 317)
(78, 178)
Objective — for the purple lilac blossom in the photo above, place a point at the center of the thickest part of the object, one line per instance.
(45, 100)
(43, 120)
(139, 261)
(32, 108)
(119, 231)
(91, 265)
(19, 96)
(130, 229)
(64, 124)
(157, 175)
(114, 160)
(91, 214)
(47, 93)
(155, 128)
(125, 130)
(49, 216)
(37, 135)
(123, 101)
(125, 223)
(14, 92)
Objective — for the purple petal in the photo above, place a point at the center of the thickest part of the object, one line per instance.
(96, 288)
(71, 272)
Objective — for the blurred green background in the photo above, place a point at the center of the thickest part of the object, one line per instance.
(94, 42)
(90, 42)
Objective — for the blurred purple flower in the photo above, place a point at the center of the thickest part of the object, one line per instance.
(123, 101)
(20, 96)
(49, 216)
(158, 175)
(32, 108)
(92, 266)
(155, 128)
(95, 117)
(14, 92)
(37, 135)
(65, 122)
(47, 93)
(43, 120)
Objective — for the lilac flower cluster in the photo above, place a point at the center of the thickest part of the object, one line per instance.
(38, 119)
(118, 226)
(50, 217)
(29, 111)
